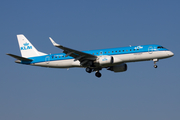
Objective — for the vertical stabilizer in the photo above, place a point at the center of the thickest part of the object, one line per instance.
(26, 48)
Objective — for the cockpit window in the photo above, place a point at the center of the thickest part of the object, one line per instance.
(160, 47)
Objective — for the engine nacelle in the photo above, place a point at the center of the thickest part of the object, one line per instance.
(105, 60)
(118, 68)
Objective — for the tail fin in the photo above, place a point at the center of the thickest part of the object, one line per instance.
(26, 48)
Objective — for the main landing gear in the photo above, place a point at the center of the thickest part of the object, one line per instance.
(98, 74)
(89, 70)
(155, 60)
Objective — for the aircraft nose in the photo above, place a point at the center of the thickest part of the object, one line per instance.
(170, 53)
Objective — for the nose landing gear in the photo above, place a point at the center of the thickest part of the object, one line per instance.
(155, 66)
(155, 60)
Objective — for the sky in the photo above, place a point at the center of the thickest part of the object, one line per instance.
(142, 92)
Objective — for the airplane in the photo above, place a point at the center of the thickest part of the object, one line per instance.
(113, 59)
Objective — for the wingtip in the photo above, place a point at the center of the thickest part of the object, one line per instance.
(8, 54)
(53, 42)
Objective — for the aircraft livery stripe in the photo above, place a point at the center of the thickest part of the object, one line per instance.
(100, 52)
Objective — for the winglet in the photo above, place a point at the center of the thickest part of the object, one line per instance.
(53, 42)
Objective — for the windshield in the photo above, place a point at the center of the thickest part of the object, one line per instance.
(160, 47)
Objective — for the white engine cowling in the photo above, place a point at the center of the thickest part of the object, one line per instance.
(104, 60)
(118, 68)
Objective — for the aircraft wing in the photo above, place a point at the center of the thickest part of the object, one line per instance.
(83, 57)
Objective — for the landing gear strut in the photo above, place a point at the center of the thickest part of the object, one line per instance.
(155, 60)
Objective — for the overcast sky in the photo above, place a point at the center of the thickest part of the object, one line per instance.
(140, 93)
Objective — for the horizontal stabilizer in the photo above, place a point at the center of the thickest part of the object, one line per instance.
(19, 58)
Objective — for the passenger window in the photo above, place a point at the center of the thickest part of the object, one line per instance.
(123, 50)
(112, 51)
(109, 52)
(100, 52)
(52, 56)
(96, 53)
(116, 51)
(119, 50)
(126, 50)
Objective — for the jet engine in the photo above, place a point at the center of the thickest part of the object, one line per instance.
(104, 60)
(118, 68)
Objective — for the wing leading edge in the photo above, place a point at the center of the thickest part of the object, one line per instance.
(83, 57)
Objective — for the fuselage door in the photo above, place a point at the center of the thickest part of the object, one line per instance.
(47, 59)
(150, 49)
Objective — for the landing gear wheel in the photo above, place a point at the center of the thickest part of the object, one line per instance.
(155, 66)
(89, 70)
(98, 74)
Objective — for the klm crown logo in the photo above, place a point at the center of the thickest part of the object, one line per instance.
(105, 59)
(26, 46)
(138, 47)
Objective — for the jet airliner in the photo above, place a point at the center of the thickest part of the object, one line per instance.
(113, 59)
